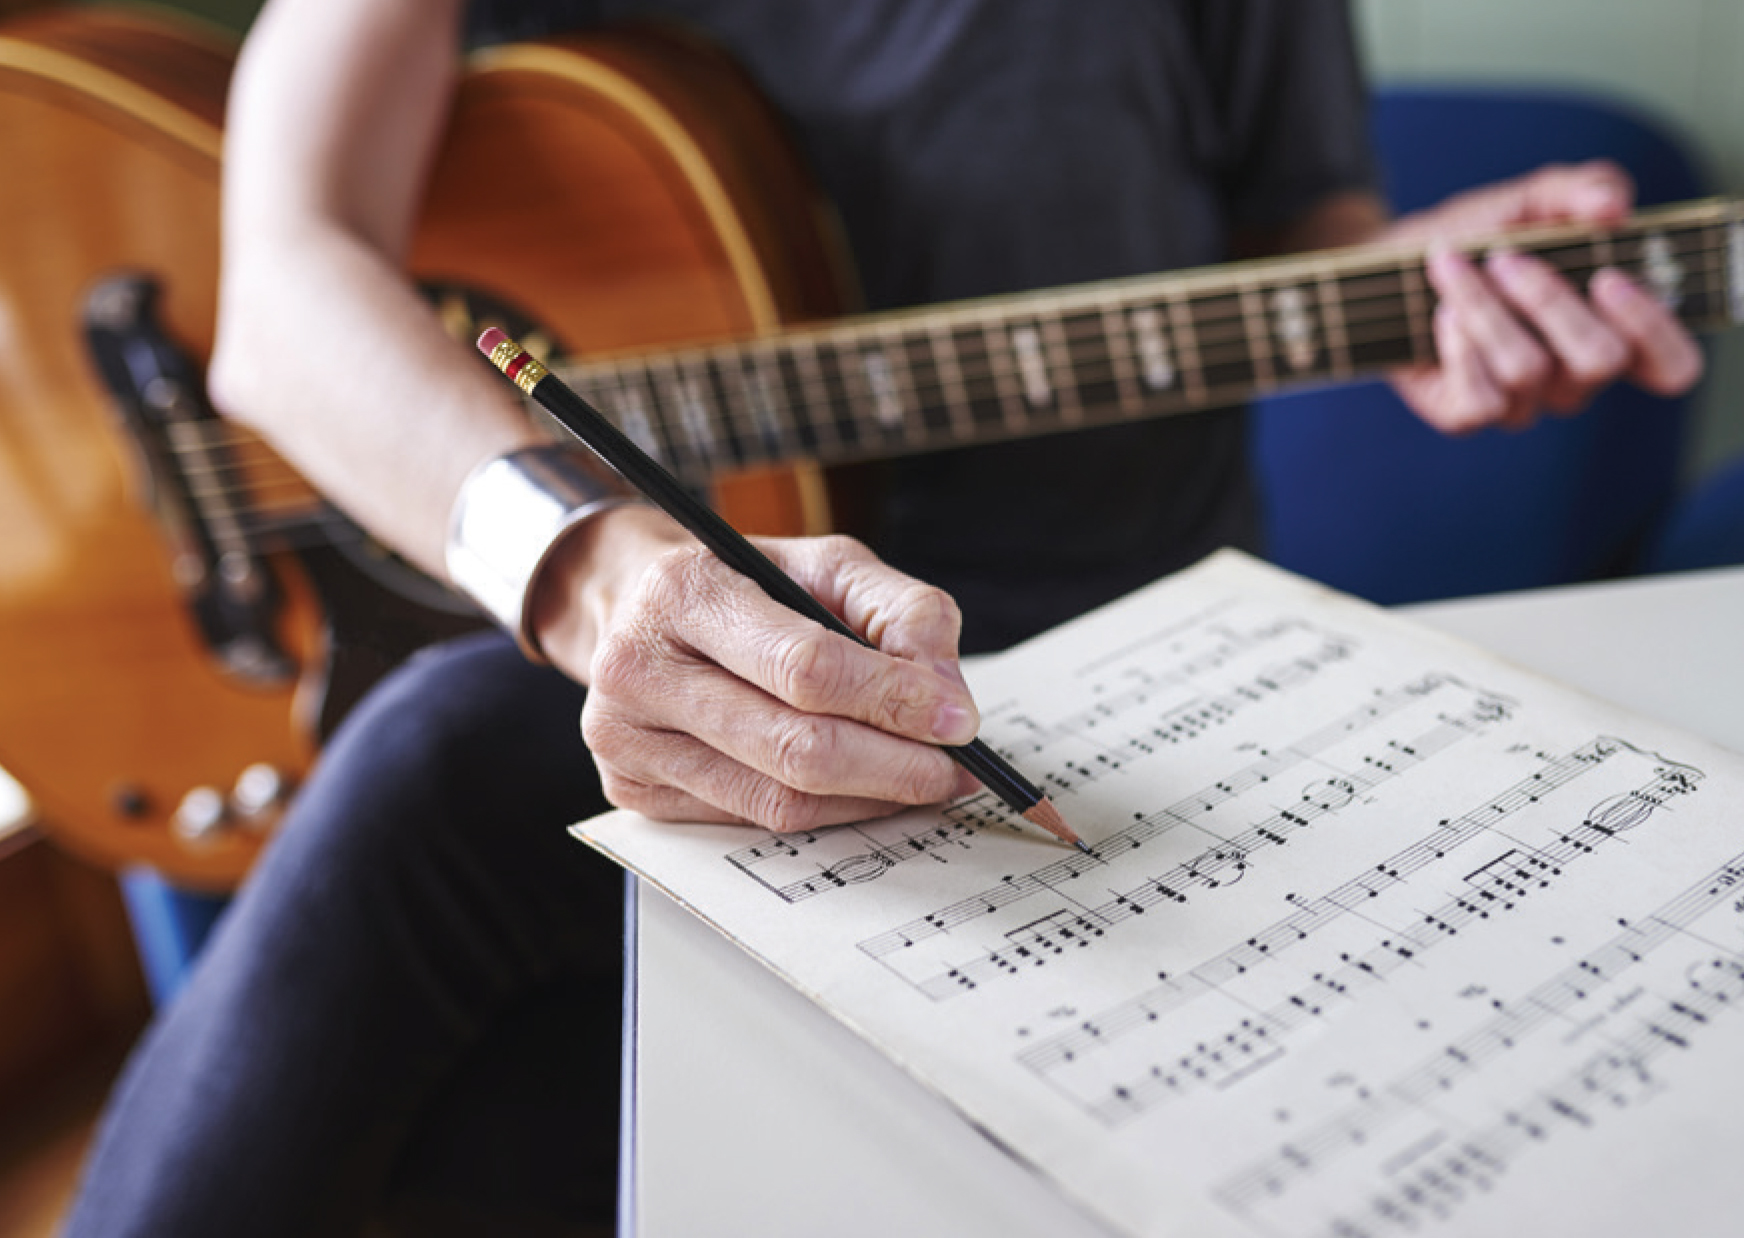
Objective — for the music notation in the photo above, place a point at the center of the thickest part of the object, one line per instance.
(1377, 935)
(1222, 862)
(1177, 1055)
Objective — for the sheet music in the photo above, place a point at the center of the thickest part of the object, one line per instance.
(1379, 935)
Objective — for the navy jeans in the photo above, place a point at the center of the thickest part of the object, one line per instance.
(411, 1010)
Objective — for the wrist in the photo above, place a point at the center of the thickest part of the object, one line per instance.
(589, 577)
(512, 516)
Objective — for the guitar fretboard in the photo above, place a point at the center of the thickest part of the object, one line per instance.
(920, 380)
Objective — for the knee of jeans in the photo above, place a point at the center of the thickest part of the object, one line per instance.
(464, 738)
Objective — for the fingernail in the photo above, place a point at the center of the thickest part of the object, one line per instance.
(1506, 264)
(1445, 263)
(1609, 284)
(954, 724)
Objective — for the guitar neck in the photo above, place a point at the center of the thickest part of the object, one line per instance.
(910, 381)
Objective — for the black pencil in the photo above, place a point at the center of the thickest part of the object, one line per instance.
(648, 476)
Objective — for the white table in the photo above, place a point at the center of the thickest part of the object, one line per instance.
(756, 1113)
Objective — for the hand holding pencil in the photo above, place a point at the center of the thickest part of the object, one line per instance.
(729, 689)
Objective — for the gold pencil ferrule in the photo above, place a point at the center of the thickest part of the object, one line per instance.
(528, 376)
(504, 353)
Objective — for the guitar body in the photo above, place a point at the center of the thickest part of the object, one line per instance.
(620, 193)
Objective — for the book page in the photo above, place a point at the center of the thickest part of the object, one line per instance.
(1378, 934)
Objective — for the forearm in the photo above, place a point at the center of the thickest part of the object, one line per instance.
(324, 346)
(330, 354)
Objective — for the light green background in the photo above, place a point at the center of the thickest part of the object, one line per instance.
(1678, 60)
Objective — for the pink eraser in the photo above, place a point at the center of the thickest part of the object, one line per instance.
(487, 343)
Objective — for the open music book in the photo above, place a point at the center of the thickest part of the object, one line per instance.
(1380, 934)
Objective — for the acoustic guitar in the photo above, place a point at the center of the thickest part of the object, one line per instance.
(183, 619)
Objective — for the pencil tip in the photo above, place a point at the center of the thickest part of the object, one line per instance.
(1048, 817)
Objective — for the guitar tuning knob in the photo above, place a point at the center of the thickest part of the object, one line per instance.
(200, 815)
(259, 789)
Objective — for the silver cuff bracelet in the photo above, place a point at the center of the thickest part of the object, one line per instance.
(511, 514)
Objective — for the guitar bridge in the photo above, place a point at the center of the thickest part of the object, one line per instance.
(159, 398)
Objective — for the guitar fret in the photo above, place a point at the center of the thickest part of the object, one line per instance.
(1258, 336)
(1297, 330)
(1697, 300)
(1332, 320)
(1025, 343)
(962, 409)
(757, 385)
(636, 416)
(1714, 248)
(732, 419)
(1157, 366)
(984, 401)
(688, 399)
(1572, 261)
(1226, 354)
(1373, 307)
(880, 385)
(818, 431)
(792, 392)
(1417, 310)
(1114, 346)
(1706, 246)
(858, 387)
(930, 423)
(1057, 352)
(1189, 359)
(896, 343)
(1002, 363)
(835, 368)
(1703, 300)
(1661, 269)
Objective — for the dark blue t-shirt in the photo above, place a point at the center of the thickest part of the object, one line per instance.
(977, 147)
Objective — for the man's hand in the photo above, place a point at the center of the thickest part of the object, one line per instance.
(1512, 335)
(708, 701)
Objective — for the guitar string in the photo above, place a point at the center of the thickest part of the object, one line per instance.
(266, 479)
(250, 467)
(1213, 352)
(1211, 343)
(749, 431)
(1080, 373)
(1215, 349)
(1049, 309)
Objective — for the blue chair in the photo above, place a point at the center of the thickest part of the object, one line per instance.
(1706, 527)
(1361, 495)
(170, 925)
